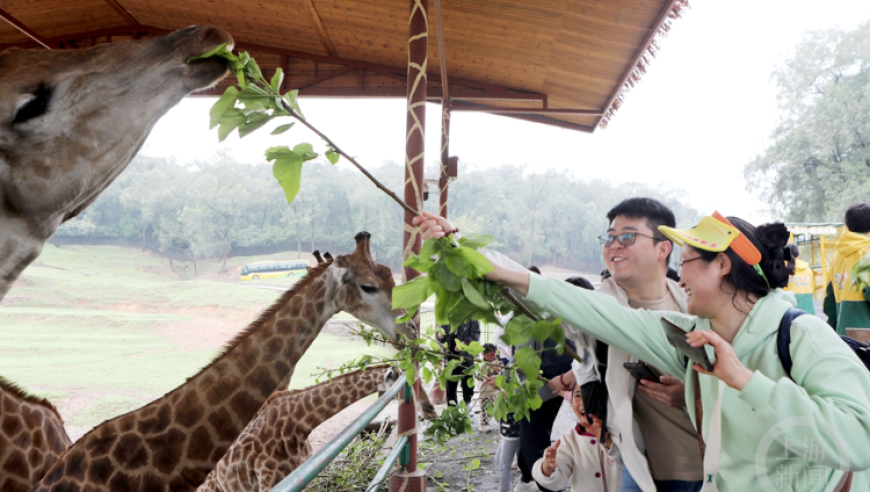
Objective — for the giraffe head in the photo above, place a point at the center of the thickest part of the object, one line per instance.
(73, 119)
(364, 289)
(390, 377)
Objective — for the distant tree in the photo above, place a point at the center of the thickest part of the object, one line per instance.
(818, 161)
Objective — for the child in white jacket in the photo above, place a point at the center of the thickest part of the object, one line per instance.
(579, 459)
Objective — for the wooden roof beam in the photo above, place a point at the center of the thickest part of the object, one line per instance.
(462, 106)
(321, 29)
(30, 33)
(122, 12)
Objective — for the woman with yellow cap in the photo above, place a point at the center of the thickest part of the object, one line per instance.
(763, 428)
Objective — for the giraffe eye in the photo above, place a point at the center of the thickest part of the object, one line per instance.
(369, 289)
(35, 107)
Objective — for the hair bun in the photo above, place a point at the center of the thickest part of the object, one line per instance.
(773, 238)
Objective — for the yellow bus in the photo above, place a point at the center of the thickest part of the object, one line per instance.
(267, 269)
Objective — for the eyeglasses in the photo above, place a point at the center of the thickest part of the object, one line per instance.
(683, 262)
(625, 239)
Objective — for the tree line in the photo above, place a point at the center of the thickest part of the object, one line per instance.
(210, 209)
(818, 159)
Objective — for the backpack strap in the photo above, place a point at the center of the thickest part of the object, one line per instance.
(783, 338)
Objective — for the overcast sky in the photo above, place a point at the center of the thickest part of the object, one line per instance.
(704, 109)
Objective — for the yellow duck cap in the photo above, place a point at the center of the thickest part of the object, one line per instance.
(715, 233)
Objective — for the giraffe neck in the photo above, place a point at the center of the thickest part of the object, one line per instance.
(181, 437)
(323, 401)
(32, 437)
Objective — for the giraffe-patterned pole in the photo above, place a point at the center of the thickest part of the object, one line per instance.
(445, 151)
(412, 479)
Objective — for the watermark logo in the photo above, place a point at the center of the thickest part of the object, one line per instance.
(792, 461)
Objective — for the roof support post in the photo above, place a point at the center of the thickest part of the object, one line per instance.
(445, 156)
(412, 479)
(445, 112)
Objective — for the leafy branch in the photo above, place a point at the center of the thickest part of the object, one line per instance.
(454, 268)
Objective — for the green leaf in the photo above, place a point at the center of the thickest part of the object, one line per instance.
(281, 129)
(226, 102)
(288, 172)
(252, 70)
(277, 80)
(281, 152)
(409, 315)
(500, 381)
(291, 98)
(332, 156)
(558, 336)
(412, 293)
(456, 263)
(474, 348)
(476, 260)
(444, 300)
(528, 361)
(254, 123)
(475, 463)
(541, 330)
(461, 312)
(427, 375)
(445, 277)
(518, 330)
(473, 295)
(305, 151)
(229, 121)
(476, 240)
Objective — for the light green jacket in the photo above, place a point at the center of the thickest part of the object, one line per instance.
(777, 434)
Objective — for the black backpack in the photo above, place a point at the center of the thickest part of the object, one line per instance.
(783, 339)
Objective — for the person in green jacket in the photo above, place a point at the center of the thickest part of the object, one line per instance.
(764, 429)
(801, 280)
(845, 306)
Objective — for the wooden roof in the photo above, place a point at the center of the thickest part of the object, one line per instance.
(545, 55)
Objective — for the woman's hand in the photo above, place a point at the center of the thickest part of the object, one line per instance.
(435, 227)
(556, 384)
(728, 367)
(549, 464)
(432, 226)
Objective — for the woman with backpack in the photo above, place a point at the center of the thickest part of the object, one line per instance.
(763, 428)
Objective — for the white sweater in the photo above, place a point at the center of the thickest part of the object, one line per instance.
(582, 462)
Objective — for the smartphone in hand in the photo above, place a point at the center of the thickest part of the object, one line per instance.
(677, 337)
(641, 370)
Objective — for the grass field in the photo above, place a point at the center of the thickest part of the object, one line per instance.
(101, 330)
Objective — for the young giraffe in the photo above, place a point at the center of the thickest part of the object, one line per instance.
(32, 437)
(276, 442)
(424, 405)
(176, 441)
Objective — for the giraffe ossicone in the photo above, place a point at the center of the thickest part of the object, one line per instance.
(72, 120)
(175, 442)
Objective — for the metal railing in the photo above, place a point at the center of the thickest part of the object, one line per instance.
(302, 476)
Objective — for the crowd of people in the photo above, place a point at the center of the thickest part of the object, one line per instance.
(727, 408)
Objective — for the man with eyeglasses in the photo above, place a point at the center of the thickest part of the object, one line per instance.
(651, 427)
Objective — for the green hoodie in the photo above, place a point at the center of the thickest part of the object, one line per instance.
(777, 434)
(845, 306)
